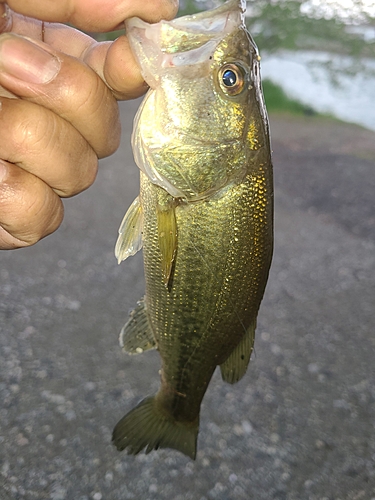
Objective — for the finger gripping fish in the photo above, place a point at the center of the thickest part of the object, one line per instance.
(204, 216)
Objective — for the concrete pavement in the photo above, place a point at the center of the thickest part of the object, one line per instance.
(300, 425)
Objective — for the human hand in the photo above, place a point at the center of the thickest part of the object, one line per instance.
(58, 109)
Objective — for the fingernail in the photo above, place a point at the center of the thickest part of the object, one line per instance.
(26, 61)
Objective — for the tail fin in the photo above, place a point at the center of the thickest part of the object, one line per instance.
(146, 427)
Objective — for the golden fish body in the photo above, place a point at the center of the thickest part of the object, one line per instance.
(204, 216)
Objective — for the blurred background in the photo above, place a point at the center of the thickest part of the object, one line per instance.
(320, 53)
(301, 424)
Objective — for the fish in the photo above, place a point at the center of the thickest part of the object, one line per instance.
(204, 216)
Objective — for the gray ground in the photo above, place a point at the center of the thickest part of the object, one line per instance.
(300, 425)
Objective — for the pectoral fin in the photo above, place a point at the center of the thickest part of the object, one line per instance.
(129, 240)
(167, 235)
(136, 336)
(234, 368)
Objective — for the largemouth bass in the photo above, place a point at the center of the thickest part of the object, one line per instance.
(204, 216)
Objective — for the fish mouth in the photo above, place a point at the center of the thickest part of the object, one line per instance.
(183, 41)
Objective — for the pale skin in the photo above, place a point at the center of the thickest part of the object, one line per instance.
(58, 103)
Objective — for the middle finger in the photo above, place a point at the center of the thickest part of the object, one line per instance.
(36, 139)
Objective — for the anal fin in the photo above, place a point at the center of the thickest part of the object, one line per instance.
(235, 366)
(136, 336)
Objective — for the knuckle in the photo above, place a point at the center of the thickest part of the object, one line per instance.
(29, 210)
(164, 9)
(77, 94)
(82, 178)
(88, 174)
(91, 173)
(9, 242)
(29, 129)
(89, 105)
(44, 217)
(171, 8)
(21, 134)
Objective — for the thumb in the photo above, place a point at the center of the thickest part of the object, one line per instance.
(115, 64)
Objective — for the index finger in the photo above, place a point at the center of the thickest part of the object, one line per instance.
(95, 15)
(112, 61)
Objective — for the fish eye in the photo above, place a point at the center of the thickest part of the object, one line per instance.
(232, 79)
(229, 78)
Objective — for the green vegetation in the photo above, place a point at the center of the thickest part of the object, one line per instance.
(291, 25)
(278, 25)
(300, 25)
(106, 37)
(278, 101)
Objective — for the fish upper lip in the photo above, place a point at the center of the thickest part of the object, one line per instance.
(182, 40)
(193, 23)
(190, 21)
